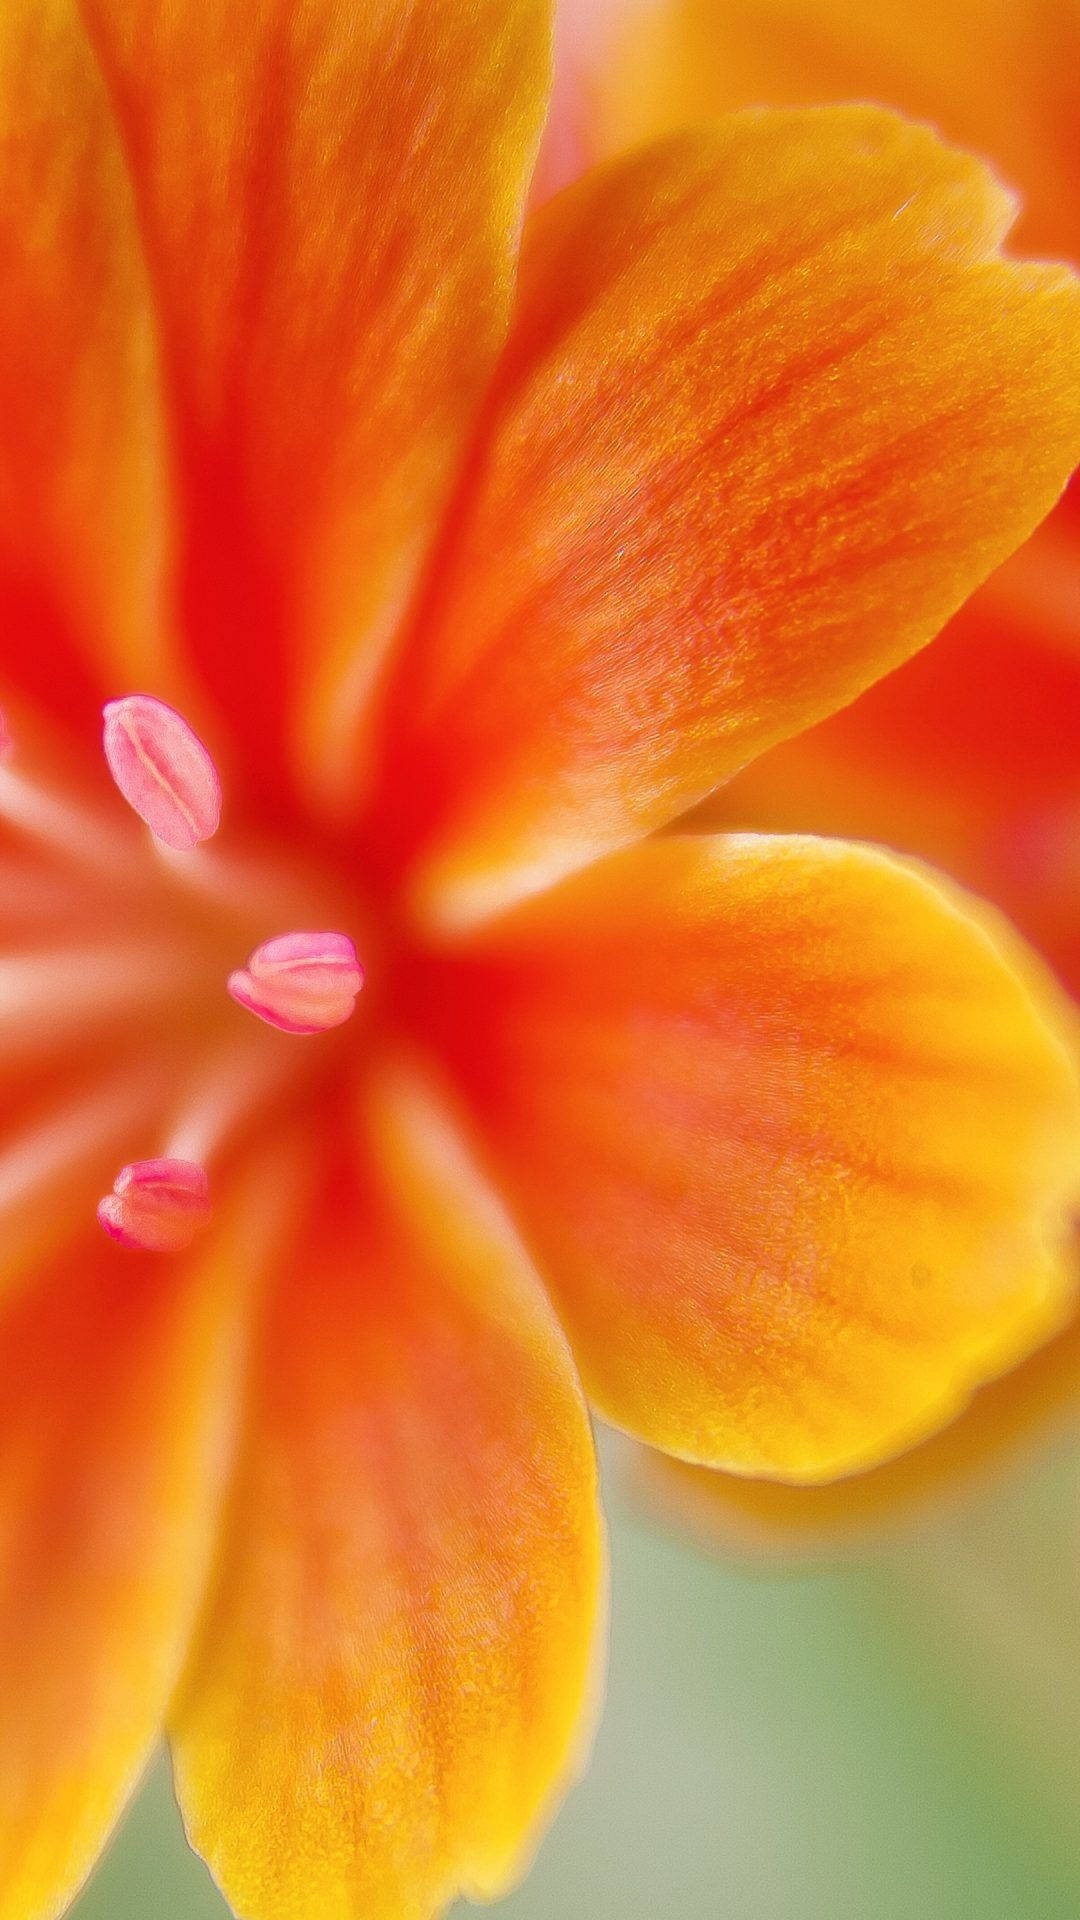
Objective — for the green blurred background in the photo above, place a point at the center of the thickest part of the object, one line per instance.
(895, 1740)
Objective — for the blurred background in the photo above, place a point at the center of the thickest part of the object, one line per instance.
(889, 1739)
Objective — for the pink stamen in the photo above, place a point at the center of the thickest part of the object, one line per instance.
(163, 770)
(300, 982)
(157, 1205)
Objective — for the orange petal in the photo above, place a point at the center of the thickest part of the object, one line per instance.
(116, 1380)
(80, 490)
(330, 196)
(968, 756)
(1000, 79)
(388, 1689)
(1008, 1421)
(794, 1141)
(771, 408)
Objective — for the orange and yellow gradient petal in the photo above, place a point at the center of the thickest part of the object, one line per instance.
(1009, 1421)
(118, 1380)
(756, 434)
(968, 756)
(83, 515)
(795, 1145)
(330, 198)
(388, 1688)
(1003, 80)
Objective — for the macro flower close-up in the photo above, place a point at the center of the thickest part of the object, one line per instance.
(392, 564)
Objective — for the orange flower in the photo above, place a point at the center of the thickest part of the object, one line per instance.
(969, 756)
(445, 586)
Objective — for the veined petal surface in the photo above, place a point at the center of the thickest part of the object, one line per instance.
(772, 406)
(388, 1688)
(330, 196)
(117, 1384)
(82, 514)
(795, 1145)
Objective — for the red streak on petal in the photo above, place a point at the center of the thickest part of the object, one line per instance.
(163, 770)
(157, 1205)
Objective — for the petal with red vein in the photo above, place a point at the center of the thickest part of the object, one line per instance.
(388, 1689)
(331, 197)
(773, 405)
(116, 1385)
(794, 1132)
(81, 509)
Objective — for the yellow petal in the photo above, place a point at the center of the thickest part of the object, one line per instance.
(388, 1689)
(795, 1134)
(117, 1387)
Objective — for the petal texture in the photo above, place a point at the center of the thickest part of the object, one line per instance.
(390, 1680)
(1002, 79)
(771, 408)
(81, 509)
(795, 1145)
(1007, 1423)
(117, 1377)
(330, 197)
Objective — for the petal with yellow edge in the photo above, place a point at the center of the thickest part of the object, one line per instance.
(1009, 1422)
(794, 1134)
(117, 1384)
(82, 512)
(389, 1687)
(330, 196)
(967, 756)
(772, 406)
(1000, 79)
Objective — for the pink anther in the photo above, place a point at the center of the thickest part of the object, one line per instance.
(158, 1205)
(163, 770)
(300, 982)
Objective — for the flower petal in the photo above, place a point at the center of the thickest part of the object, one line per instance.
(81, 508)
(686, 61)
(1008, 1422)
(771, 408)
(116, 1380)
(388, 1688)
(794, 1142)
(330, 195)
(968, 756)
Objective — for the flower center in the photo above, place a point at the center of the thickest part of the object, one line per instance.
(156, 943)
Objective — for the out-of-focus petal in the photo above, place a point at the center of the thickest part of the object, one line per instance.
(117, 1381)
(767, 1521)
(330, 196)
(794, 1140)
(772, 406)
(81, 510)
(388, 1689)
(585, 31)
(1004, 80)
